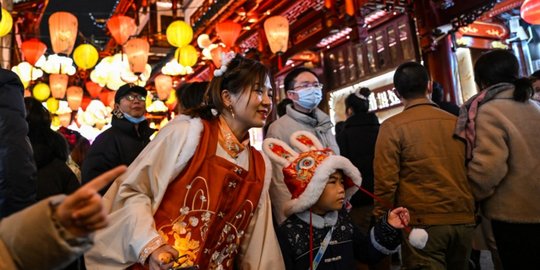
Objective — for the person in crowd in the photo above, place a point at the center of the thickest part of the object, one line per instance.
(127, 137)
(50, 153)
(500, 125)
(419, 165)
(438, 97)
(55, 231)
(305, 90)
(321, 184)
(536, 85)
(78, 148)
(17, 168)
(282, 106)
(357, 143)
(197, 196)
(190, 95)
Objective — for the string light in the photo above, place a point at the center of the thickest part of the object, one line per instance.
(103, 24)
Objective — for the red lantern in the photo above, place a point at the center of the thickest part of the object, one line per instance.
(107, 97)
(32, 50)
(163, 85)
(121, 28)
(85, 102)
(228, 32)
(74, 97)
(530, 11)
(216, 56)
(63, 31)
(137, 53)
(349, 7)
(93, 89)
(58, 84)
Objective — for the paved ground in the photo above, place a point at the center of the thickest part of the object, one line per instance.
(485, 261)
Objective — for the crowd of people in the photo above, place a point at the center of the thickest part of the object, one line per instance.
(199, 196)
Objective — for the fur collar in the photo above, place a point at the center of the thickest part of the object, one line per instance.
(319, 222)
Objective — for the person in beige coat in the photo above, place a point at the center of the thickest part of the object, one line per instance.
(54, 232)
(501, 126)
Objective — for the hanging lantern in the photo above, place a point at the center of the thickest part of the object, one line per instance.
(52, 104)
(277, 33)
(93, 89)
(85, 102)
(74, 97)
(121, 28)
(530, 11)
(179, 34)
(228, 32)
(85, 56)
(32, 50)
(186, 56)
(349, 7)
(137, 53)
(6, 23)
(41, 92)
(203, 41)
(58, 84)
(107, 97)
(63, 31)
(163, 85)
(216, 56)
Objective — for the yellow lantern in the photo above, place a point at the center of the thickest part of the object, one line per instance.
(277, 33)
(63, 31)
(85, 56)
(137, 53)
(41, 91)
(55, 121)
(6, 23)
(179, 34)
(74, 97)
(163, 86)
(52, 104)
(58, 84)
(186, 56)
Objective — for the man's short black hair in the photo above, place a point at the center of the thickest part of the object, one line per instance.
(411, 80)
(288, 82)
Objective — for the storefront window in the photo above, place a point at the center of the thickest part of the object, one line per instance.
(342, 67)
(351, 63)
(360, 59)
(371, 48)
(382, 54)
(394, 53)
(406, 41)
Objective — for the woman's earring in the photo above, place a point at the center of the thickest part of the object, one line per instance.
(231, 110)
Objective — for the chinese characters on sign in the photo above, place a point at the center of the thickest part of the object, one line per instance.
(383, 98)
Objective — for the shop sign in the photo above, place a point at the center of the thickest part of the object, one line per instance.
(484, 30)
(383, 98)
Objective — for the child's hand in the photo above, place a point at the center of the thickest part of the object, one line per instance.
(399, 217)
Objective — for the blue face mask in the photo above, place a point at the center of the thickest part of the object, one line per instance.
(309, 97)
(134, 120)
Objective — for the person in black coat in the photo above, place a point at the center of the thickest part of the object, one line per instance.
(438, 97)
(127, 137)
(357, 141)
(50, 153)
(17, 168)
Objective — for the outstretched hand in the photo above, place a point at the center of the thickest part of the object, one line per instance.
(82, 213)
(399, 217)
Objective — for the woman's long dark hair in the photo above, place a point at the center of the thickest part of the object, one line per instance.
(46, 143)
(241, 74)
(501, 66)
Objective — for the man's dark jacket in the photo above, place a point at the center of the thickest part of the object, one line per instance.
(17, 168)
(118, 145)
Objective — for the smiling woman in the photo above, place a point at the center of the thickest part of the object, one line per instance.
(197, 183)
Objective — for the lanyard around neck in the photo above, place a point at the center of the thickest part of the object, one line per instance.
(322, 248)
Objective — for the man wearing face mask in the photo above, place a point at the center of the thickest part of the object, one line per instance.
(305, 90)
(127, 137)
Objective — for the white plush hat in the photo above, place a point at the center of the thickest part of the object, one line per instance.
(307, 173)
